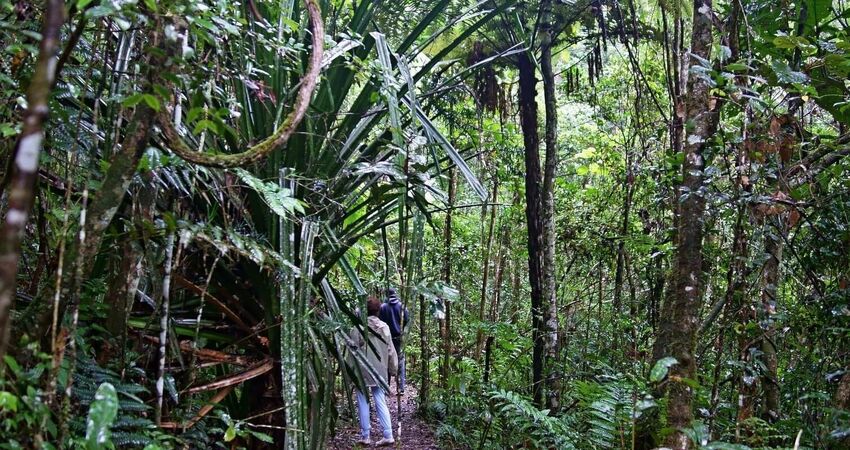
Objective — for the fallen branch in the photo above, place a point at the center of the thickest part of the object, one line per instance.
(207, 354)
(216, 302)
(241, 377)
(218, 397)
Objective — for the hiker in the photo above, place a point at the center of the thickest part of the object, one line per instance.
(396, 316)
(382, 357)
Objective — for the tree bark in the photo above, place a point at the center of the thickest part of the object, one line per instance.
(100, 213)
(485, 277)
(25, 165)
(774, 243)
(678, 332)
(736, 296)
(620, 270)
(504, 246)
(447, 278)
(125, 281)
(624, 229)
(841, 400)
(424, 355)
(550, 295)
(106, 201)
(533, 181)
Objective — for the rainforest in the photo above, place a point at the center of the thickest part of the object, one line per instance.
(425, 224)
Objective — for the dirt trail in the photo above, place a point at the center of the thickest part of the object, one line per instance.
(415, 434)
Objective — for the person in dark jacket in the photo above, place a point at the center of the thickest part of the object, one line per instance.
(396, 316)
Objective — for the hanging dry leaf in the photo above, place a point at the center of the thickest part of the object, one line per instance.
(793, 217)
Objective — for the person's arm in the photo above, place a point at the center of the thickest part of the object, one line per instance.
(356, 338)
(406, 319)
(392, 363)
(353, 345)
(382, 313)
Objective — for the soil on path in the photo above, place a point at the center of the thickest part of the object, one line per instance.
(415, 434)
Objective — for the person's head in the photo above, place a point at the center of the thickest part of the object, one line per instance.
(390, 292)
(373, 306)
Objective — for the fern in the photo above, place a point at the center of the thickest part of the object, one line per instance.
(448, 432)
(131, 429)
(606, 412)
(132, 422)
(123, 439)
(535, 426)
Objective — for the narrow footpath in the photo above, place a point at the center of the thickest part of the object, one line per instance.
(415, 434)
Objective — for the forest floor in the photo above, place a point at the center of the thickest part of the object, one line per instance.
(415, 433)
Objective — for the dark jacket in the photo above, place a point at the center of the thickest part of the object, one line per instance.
(395, 315)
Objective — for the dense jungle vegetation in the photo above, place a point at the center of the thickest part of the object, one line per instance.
(617, 224)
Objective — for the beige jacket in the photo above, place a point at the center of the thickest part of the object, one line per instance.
(379, 352)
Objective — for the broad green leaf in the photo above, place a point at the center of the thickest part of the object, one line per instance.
(205, 124)
(785, 74)
(230, 434)
(587, 153)
(133, 100)
(261, 436)
(7, 129)
(151, 101)
(737, 67)
(785, 42)
(279, 199)
(102, 412)
(661, 367)
(817, 11)
(8, 402)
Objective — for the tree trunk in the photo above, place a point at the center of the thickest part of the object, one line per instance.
(25, 166)
(774, 243)
(485, 277)
(122, 289)
(533, 181)
(550, 295)
(619, 273)
(126, 280)
(678, 332)
(504, 246)
(736, 297)
(100, 213)
(841, 401)
(445, 332)
(105, 203)
(424, 355)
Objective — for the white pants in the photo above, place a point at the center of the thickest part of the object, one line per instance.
(380, 406)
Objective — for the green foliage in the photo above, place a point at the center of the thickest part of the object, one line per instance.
(661, 367)
(400, 103)
(25, 413)
(537, 429)
(102, 412)
(239, 428)
(107, 411)
(278, 199)
(700, 436)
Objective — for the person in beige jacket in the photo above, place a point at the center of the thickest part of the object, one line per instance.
(380, 354)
